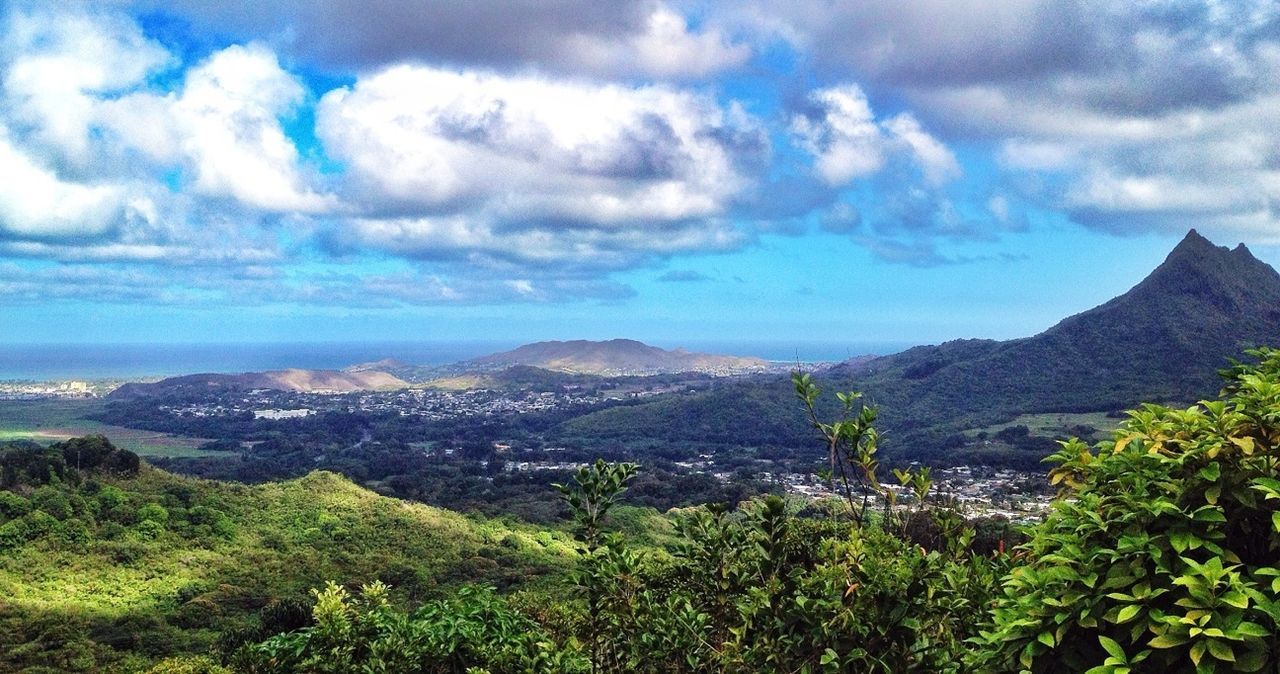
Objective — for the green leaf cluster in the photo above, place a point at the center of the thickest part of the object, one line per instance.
(1164, 552)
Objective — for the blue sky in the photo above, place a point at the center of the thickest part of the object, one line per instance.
(798, 172)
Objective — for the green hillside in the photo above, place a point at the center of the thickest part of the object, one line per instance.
(102, 571)
(1165, 340)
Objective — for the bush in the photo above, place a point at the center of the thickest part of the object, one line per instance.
(14, 533)
(1167, 557)
(13, 506)
(365, 633)
(153, 512)
(75, 532)
(40, 523)
(188, 665)
(53, 501)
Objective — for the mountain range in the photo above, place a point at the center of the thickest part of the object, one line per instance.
(1162, 341)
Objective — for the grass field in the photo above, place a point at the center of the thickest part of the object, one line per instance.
(1054, 424)
(53, 420)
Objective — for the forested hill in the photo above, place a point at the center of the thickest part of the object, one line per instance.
(114, 564)
(1164, 340)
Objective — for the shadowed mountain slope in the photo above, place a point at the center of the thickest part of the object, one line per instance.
(1164, 340)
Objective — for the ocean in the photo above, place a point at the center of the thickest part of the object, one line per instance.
(51, 362)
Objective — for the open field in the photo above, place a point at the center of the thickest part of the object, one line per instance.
(1053, 424)
(58, 419)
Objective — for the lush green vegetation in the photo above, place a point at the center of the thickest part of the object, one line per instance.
(1166, 558)
(110, 565)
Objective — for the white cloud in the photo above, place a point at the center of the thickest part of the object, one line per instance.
(937, 162)
(58, 66)
(1125, 116)
(847, 142)
(666, 48)
(544, 169)
(228, 119)
(35, 203)
(844, 138)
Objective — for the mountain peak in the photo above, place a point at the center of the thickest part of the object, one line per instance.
(1194, 243)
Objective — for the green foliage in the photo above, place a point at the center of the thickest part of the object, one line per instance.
(188, 665)
(763, 589)
(851, 440)
(13, 505)
(473, 629)
(1167, 555)
(155, 565)
(53, 501)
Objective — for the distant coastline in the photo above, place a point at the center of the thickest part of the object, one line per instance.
(53, 362)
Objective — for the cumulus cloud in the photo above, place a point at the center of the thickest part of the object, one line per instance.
(635, 37)
(1131, 116)
(228, 121)
(532, 187)
(100, 164)
(897, 162)
(847, 142)
(35, 203)
(523, 167)
(58, 66)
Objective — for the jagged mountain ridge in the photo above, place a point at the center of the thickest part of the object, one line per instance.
(1162, 341)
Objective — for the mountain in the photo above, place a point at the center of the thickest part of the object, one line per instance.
(614, 357)
(305, 381)
(1162, 341)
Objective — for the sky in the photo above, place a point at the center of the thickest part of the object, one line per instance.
(790, 171)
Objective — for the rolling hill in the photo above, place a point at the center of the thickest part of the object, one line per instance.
(129, 569)
(613, 357)
(282, 380)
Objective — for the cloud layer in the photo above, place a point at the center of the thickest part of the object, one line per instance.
(435, 152)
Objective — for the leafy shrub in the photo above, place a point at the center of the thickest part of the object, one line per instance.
(39, 523)
(365, 633)
(153, 512)
(111, 497)
(1167, 556)
(13, 505)
(74, 531)
(188, 665)
(14, 533)
(52, 500)
(761, 589)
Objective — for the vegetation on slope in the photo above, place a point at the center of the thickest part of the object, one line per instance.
(1166, 558)
(106, 568)
(1162, 341)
